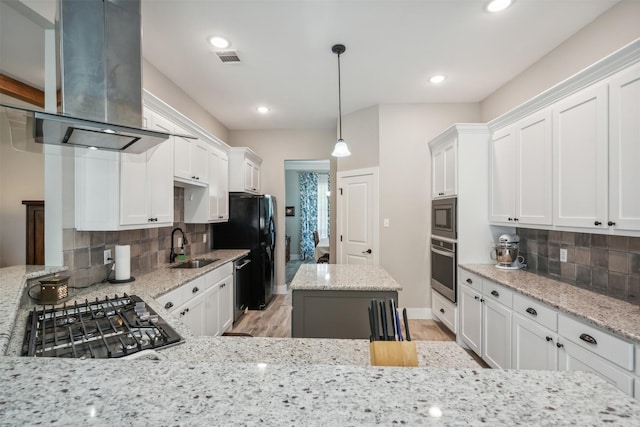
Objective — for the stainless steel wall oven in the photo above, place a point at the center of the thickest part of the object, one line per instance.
(443, 267)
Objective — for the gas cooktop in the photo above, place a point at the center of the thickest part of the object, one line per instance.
(108, 328)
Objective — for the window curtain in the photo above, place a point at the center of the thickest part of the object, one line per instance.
(323, 206)
(308, 212)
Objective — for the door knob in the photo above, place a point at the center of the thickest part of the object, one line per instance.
(368, 251)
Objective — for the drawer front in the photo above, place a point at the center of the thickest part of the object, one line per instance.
(497, 293)
(218, 274)
(469, 279)
(444, 310)
(173, 299)
(602, 343)
(535, 311)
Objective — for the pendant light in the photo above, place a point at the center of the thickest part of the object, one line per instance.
(341, 149)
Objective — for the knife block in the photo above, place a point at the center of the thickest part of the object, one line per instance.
(393, 353)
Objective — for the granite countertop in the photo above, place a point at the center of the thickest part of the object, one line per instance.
(619, 317)
(343, 277)
(142, 392)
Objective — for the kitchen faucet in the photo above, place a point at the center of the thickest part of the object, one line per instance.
(172, 254)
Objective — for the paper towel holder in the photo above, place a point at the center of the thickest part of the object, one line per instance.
(116, 281)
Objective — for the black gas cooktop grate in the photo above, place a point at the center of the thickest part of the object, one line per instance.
(109, 328)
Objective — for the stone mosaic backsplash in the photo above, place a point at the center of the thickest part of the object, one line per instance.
(84, 250)
(608, 265)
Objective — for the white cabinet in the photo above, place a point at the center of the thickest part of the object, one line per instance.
(218, 186)
(471, 317)
(520, 184)
(443, 168)
(534, 346)
(244, 170)
(444, 310)
(580, 159)
(496, 334)
(191, 160)
(220, 303)
(624, 150)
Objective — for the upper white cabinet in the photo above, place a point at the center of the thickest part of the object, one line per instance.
(443, 168)
(244, 170)
(624, 150)
(580, 159)
(209, 204)
(191, 156)
(520, 184)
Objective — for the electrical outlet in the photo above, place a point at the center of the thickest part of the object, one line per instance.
(107, 256)
(563, 255)
(386, 222)
(204, 238)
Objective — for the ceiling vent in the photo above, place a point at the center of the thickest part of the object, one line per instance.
(228, 55)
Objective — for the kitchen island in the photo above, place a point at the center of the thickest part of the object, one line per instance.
(331, 300)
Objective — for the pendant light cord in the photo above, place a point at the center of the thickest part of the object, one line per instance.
(339, 99)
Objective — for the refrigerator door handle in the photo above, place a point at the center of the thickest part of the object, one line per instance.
(241, 266)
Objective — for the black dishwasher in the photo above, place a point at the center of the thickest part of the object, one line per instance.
(242, 287)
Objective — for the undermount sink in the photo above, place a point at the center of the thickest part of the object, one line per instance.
(196, 263)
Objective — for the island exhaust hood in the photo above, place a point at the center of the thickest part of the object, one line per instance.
(99, 61)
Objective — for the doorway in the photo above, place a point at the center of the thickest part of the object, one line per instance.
(307, 210)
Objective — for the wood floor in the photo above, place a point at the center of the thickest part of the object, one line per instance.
(275, 321)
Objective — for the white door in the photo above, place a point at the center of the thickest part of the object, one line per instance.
(357, 217)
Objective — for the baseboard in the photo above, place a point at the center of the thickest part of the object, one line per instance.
(419, 313)
(281, 290)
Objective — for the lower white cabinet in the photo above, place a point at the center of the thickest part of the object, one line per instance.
(496, 334)
(471, 318)
(534, 346)
(193, 315)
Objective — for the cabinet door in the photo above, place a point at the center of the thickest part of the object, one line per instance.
(193, 315)
(200, 161)
(502, 188)
(437, 179)
(160, 183)
(573, 358)
(471, 319)
(225, 305)
(255, 178)
(211, 325)
(534, 170)
(181, 156)
(223, 186)
(214, 194)
(624, 150)
(248, 176)
(496, 334)
(580, 159)
(134, 201)
(450, 158)
(534, 346)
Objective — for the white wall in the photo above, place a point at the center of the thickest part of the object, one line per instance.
(405, 196)
(612, 30)
(360, 132)
(276, 146)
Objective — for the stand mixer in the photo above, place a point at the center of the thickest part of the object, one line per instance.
(506, 253)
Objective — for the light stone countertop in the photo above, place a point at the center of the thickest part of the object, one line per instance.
(118, 392)
(343, 277)
(619, 317)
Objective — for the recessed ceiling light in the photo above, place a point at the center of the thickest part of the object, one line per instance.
(439, 78)
(262, 109)
(498, 5)
(219, 42)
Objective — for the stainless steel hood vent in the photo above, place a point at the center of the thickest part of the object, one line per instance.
(100, 70)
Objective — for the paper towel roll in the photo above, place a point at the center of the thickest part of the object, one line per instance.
(123, 262)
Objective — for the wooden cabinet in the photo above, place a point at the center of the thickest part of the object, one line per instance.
(244, 170)
(624, 150)
(520, 184)
(443, 168)
(580, 159)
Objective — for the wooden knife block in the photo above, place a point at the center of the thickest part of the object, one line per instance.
(393, 353)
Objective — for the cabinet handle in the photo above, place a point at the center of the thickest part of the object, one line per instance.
(516, 219)
(588, 338)
(549, 339)
(186, 310)
(195, 289)
(442, 310)
(559, 345)
(510, 219)
(223, 285)
(193, 177)
(532, 312)
(168, 305)
(476, 297)
(495, 293)
(481, 299)
(440, 194)
(597, 223)
(611, 223)
(469, 281)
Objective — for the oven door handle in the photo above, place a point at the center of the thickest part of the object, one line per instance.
(441, 252)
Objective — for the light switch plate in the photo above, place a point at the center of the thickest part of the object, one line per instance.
(563, 255)
(204, 238)
(386, 223)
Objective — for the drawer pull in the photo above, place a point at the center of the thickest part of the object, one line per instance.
(495, 293)
(589, 339)
(168, 305)
(549, 339)
(476, 297)
(186, 310)
(532, 311)
(442, 310)
(469, 281)
(559, 345)
(195, 289)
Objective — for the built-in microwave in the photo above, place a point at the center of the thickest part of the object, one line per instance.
(443, 218)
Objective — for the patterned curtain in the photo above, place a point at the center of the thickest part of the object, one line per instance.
(308, 212)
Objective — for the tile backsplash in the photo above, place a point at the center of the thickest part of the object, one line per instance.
(609, 265)
(83, 251)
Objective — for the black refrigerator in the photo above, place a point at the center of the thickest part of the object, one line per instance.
(252, 225)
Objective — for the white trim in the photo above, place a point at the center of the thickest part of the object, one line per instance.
(419, 313)
(282, 290)
(375, 173)
(307, 165)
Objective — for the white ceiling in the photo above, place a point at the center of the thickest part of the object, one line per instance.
(393, 46)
